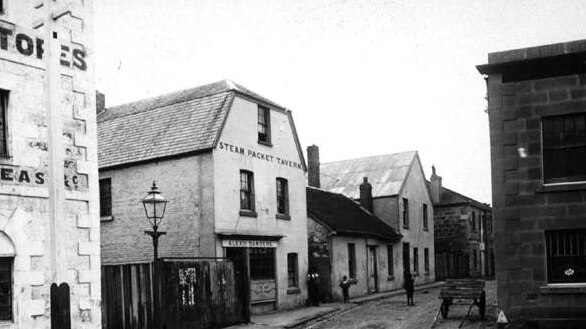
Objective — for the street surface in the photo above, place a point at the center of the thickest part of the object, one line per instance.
(393, 313)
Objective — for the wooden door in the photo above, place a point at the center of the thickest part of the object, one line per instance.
(372, 269)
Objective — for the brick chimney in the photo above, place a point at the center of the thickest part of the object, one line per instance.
(366, 195)
(100, 102)
(436, 186)
(313, 166)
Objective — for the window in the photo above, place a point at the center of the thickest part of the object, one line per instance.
(474, 258)
(390, 261)
(246, 191)
(473, 221)
(282, 197)
(566, 256)
(564, 148)
(105, 197)
(426, 260)
(6, 288)
(425, 223)
(351, 261)
(262, 263)
(264, 125)
(3, 119)
(405, 213)
(292, 276)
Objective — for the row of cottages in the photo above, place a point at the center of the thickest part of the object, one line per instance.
(463, 233)
(230, 163)
(49, 223)
(399, 197)
(537, 117)
(346, 239)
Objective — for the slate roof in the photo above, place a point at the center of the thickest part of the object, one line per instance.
(450, 197)
(176, 123)
(386, 174)
(345, 216)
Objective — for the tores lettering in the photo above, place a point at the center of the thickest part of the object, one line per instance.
(28, 46)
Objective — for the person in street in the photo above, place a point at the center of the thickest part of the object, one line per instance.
(409, 288)
(345, 285)
(313, 287)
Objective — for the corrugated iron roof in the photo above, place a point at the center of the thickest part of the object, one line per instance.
(176, 123)
(346, 216)
(386, 174)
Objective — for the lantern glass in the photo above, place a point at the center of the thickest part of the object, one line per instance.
(154, 205)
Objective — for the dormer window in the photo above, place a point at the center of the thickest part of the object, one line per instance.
(264, 125)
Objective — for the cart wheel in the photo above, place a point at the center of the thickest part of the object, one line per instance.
(482, 306)
(445, 308)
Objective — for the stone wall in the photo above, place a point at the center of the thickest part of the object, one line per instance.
(524, 208)
(55, 235)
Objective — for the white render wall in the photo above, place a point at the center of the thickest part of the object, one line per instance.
(241, 130)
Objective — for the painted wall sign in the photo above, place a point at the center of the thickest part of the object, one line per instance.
(29, 45)
(249, 244)
(264, 290)
(258, 155)
(17, 175)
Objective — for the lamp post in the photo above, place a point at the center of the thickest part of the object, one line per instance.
(154, 207)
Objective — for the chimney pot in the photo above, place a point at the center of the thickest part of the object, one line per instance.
(436, 186)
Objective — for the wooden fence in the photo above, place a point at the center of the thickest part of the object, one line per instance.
(193, 294)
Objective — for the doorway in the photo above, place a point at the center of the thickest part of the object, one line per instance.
(372, 270)
(406, 258)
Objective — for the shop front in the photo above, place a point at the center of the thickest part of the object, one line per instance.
(258, 257)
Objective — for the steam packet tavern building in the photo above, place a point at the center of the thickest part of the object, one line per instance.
(230, 163)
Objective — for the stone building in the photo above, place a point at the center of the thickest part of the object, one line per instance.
(537, 112)
(49, 222)
(400, 198)
(346, 239)
(230, 163)
(463, 233)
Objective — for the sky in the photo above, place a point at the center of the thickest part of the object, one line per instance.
(362, 78)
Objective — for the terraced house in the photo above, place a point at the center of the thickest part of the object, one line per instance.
(400, 198)
(230, 163)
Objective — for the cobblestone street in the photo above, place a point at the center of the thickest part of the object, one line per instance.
(393, 313)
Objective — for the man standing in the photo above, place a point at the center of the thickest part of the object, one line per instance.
(409, 288)
(313, 287)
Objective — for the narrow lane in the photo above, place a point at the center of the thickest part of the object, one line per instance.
(393, 313)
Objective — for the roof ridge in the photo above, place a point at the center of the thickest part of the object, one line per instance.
(372, 156)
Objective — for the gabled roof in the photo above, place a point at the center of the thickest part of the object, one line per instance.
(450, 197)
(187, 121)
(345, 216)
(386, 173)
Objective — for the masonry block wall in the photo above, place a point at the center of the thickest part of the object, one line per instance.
(524, 86)
(188, 217)
(41, 254)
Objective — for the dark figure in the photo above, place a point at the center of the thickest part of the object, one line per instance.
(313, 287)
(409, 288)
(345, 285)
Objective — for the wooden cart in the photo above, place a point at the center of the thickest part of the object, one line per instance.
(462, 292)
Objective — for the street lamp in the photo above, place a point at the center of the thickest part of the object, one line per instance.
(154, 207)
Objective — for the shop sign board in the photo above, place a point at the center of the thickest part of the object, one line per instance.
(249, 244)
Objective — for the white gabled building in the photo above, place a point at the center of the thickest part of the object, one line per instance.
(230, 163)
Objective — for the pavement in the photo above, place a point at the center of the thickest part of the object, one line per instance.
(296, 317)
